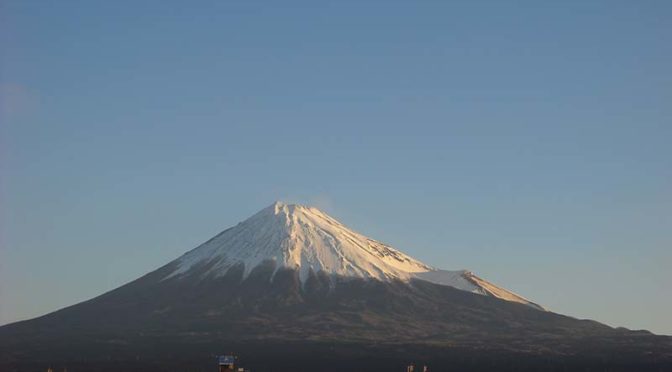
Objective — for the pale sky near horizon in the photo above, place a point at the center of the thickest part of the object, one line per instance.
(527, 141)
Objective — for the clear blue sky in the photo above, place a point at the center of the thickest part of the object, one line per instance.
(529, 142)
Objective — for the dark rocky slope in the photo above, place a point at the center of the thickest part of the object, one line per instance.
(276, 323)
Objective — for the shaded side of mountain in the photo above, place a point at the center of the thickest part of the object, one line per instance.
(151, 319)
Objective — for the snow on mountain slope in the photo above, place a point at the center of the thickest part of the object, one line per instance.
(456, 278)
(467, 281)
(307, 239)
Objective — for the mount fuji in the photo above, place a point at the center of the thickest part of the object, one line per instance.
(292, 288)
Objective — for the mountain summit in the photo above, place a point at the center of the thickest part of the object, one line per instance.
(306, 239)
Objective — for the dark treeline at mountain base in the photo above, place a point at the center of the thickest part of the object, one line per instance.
(297, 357)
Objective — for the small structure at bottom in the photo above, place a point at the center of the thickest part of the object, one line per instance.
(228, 363)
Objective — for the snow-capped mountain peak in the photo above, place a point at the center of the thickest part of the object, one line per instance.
(303, 238)
(308, 240)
